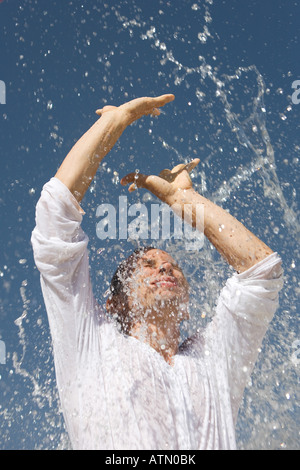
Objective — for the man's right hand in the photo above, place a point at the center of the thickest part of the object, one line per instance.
(166, 184)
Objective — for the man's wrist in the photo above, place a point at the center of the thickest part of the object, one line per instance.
(114, 122)
(181, 197)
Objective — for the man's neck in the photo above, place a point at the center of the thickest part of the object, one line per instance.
(160, 335)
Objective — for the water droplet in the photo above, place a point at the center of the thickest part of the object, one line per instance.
(147, 197)
(202, 37)
(115, 178)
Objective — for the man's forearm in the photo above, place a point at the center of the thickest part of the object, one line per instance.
(241, 248)
(80, 165)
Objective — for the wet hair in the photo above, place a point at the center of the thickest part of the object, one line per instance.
(119, 287)
(125, 271)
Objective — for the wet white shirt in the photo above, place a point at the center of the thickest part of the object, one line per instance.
(118, 393)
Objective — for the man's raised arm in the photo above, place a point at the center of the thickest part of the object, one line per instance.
(80, 165)
(240, 247)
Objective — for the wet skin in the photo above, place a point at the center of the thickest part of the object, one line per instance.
(158, 282)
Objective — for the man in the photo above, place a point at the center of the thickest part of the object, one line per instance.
(134, 386)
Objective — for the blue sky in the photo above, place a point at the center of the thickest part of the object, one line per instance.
(61, 61)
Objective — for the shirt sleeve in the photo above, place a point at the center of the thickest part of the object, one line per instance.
(244, 311)
(60, 253)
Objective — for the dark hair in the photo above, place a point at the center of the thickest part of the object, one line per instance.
(125, 270)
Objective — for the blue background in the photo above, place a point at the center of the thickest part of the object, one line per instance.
(61, 61)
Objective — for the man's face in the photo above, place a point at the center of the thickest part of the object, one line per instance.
(157, 279)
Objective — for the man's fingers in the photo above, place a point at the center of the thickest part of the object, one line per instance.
(162, 100)
(178, 168)
(190, 166)
(152, 104)
(105, 109)
(152, 183)
(155, 112)
(137, 179)
(144, 106)
(132, 188)
(170, 175)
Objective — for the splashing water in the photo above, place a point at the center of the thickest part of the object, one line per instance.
(226, 125)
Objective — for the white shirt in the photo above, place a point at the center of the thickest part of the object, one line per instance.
(118, 393)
